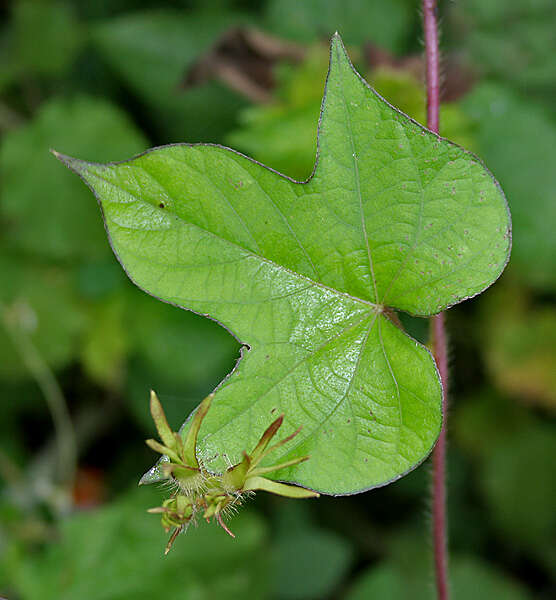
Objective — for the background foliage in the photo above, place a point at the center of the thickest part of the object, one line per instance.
(106, 80)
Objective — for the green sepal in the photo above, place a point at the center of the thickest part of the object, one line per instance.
(259, 452)
(176, 511)
(214, 504)
(190, 443)
(209, 493)
(164, 430)
(234, 477)
(179, 443)
(280, 489)
(284, 441)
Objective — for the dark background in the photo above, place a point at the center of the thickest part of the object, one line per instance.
(105, 80)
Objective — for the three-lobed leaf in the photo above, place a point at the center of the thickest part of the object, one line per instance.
(307, 276)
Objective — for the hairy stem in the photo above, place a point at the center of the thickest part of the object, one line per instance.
(432, 64)
(439, 519)
(437, 329)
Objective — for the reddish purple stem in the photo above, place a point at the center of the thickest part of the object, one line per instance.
(438, 332)
(431, 53)
(439, 524)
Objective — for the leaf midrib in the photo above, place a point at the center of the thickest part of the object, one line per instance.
(344, 397)
(358, 182)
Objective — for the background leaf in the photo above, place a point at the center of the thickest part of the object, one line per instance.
(40, 301)
(80, 125)
(519, 345)
(357, 20)
(509, 41)
(39, 47)
(469, 578)
(211, 565)
(315, 561)
(152, 51)
(515, 137)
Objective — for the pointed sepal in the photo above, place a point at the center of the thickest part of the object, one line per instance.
(280, 489)
(164, 430)
(190, 443)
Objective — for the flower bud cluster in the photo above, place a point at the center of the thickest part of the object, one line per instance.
(199, 492)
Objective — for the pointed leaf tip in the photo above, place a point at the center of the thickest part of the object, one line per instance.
(66, 160)
(336, 41)
(259, 451)
(190, 443)
(74, 164)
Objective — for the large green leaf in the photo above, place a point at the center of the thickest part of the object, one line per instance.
(305, 276)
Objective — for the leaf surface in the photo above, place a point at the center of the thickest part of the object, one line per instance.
(212, 565)
(306, 275)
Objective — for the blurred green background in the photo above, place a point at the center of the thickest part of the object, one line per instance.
(80, 347)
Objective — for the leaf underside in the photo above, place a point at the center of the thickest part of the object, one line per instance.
(393, 217)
